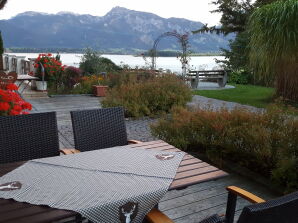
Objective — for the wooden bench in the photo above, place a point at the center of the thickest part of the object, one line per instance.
(194, 76)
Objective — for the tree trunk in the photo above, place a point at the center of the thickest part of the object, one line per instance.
(1, 62)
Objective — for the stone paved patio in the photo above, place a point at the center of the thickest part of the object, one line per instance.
(183, 206)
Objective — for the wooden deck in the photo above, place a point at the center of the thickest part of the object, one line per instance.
(189, 205)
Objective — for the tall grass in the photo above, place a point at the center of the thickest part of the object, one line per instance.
(273, 31)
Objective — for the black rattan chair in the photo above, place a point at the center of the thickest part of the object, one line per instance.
(280, 210)
(283, 209)
(99, 128)
(26, 137)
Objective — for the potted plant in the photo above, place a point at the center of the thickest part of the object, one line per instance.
(100, 89)
(47, 70)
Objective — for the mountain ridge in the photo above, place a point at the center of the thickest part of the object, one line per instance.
(120, 28)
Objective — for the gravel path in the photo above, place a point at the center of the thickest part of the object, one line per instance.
(203, 102)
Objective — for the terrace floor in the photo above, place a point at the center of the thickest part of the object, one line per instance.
(183, 206)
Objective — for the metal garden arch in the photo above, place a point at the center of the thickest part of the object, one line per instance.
(182, 39)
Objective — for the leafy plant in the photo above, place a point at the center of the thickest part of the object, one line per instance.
(239, 77)
(263, 142)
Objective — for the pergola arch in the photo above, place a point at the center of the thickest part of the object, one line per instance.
(182, 39)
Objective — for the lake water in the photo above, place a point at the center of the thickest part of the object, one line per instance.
(172, 63)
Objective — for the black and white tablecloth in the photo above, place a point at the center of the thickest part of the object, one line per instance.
(119, 184)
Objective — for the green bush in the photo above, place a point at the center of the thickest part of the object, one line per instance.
(240, 77)
(92, 63)
(148, 97)
(266, 143)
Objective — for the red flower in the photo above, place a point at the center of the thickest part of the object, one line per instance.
(6, 97)
(17, 108)
(26, 106)
(12, 87)
(4, 106)
(13, 112)
(11, 103)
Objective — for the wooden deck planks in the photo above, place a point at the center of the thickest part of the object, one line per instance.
(206, 199)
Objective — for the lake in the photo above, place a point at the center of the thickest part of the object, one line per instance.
(172, 63)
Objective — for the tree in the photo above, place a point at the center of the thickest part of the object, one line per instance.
(273, 45)
(235, 16)
(2, 4)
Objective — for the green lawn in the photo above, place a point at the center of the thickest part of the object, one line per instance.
(244, 94)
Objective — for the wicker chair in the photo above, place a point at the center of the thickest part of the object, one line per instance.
(26, 137)
(280, 210)
(98, 129)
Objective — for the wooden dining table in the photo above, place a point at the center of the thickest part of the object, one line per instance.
(190, 171)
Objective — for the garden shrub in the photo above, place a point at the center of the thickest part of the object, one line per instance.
(92, 63)
(240, 77)
(129, 76)
(266, 143)
(148, 98)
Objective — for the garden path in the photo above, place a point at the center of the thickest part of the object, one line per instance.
(183, 206)
(204, 102)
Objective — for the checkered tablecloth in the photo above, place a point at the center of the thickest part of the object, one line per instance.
(119, 184)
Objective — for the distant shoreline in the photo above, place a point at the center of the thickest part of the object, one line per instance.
(137, 53)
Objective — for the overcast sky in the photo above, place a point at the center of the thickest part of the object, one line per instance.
(196, 10)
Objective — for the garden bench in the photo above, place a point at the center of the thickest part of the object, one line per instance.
(194, 76)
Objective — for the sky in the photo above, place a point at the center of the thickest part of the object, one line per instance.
(196, 10)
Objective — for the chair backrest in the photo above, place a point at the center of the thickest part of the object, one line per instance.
(26, 137)
(98, 128)
(283, 209)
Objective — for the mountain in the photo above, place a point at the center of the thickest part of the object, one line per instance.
(120, 28)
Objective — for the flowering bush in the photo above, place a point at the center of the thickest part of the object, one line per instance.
(11, 103)
(86, 83)
(71, 76)
(52, 67)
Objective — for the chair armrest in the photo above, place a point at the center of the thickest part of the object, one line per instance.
(131, 141)
(245, 194)
(156, 216)
(232, 199)
(69, 151)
